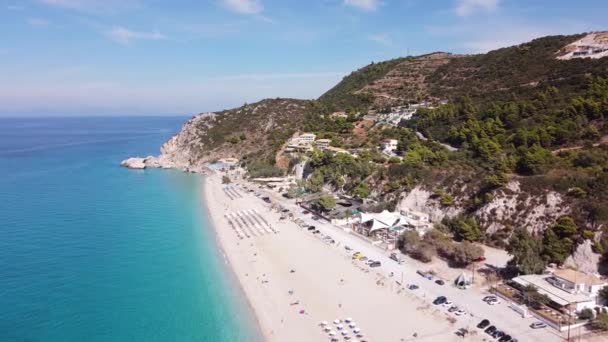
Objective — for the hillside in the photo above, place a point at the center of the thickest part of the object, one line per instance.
(252, 132)
(496, 75)
(528, 126)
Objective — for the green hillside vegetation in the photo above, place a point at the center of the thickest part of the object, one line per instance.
(343, 96)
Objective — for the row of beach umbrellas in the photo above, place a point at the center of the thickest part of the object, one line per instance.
(341, 328)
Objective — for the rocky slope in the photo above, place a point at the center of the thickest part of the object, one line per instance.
(253, 131)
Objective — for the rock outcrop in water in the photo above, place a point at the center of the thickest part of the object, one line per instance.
(180, 152)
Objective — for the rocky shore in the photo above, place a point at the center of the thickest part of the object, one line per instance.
(180, 152)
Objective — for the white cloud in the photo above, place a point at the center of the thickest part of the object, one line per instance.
(381, 39)
(466, 7)
(125, 36)
(14, 8)
(38, 22)
(243, 6)
(366, 5)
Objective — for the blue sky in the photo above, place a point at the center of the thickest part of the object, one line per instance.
(118, 57)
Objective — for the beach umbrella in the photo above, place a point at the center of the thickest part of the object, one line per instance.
(356, 330)
(340, 326)
(324, 323)
(337, 321)
(352, 325)
(348, 320)
(331, 333)
(344, 332)
(327, 329)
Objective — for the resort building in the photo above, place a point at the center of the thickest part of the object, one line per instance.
(389, 146)
(322, 143)
(567, 288)
(386, 227)
(336, 115)
(307, 138)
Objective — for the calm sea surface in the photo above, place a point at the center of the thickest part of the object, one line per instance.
(90, 251)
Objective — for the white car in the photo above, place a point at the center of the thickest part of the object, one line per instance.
(460, 312)
(538, 325)
(493, 302)
(447, 304)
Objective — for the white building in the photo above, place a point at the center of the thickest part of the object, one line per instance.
(567, 288)
(323, 143)
(390, 145)
(307, 138)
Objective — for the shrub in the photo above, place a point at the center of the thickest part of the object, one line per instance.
(225, 179)
(586, 314)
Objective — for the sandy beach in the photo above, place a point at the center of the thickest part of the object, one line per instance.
(294, 280)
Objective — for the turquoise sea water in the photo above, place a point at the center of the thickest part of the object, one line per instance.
(90, 251)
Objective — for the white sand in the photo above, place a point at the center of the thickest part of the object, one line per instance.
(326, 283)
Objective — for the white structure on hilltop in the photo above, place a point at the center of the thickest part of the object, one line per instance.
(323, 143)
(302, 143)
(389, 146)
(594, 45)
(307, 138)
(567, 288)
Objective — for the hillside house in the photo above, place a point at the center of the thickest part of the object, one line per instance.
(323, 143)
(389, 146)
(307, 138)
(567, 288)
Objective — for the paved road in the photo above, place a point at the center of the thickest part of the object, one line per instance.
(470, 300)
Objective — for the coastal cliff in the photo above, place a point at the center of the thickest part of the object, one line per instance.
(252, 132)
(179, 152)
(528, 132)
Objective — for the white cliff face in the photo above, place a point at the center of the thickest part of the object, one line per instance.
(182, 151)
(509, 207)
(420, 200)
(512, 207)
(584, 259)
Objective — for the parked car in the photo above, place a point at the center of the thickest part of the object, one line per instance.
(425, 274)
(316, 232)
(440, 300)
(448, 303)
(439, 282)
(348, 248)
(453, 309)
(506, 338)
(364, 258)
(498, 334)
(395, 257)
(375, 264)
(484, 323)
(311, 228)
(460, 312)
(316, 218)
(413, 287)
(493, 301)
(305, 212)
(538, 325)
(490, 330)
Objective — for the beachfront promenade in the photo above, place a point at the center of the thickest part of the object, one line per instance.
(295, 280)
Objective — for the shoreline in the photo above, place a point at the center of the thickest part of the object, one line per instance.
(257, 329)
(292, 281)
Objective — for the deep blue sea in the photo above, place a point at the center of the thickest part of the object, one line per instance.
(90, 251)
